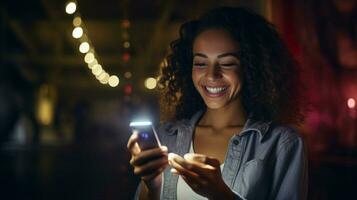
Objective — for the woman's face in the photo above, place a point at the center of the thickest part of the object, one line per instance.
(216, 68)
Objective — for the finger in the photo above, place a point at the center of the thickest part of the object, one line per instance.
(174, 171)
(151, 166)
(213, 162)
(194, 183)
(132, 145)
(149, 154)
(153, 175)
(202, 169)
(195, 157)
(179, 168)
(202, 159)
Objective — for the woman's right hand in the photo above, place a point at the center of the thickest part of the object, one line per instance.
(148, 164)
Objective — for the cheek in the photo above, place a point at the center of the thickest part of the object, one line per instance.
(234, 79)
(196, 74)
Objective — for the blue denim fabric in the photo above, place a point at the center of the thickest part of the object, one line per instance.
(263, 161)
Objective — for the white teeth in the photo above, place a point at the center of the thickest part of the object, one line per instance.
(215, 90)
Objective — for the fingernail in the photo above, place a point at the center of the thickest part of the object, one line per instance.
(164, 148)
(171, 156)
(188, 156)
(173, 171)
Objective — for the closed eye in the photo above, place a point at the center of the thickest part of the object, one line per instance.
(228, 65)
(199, 64)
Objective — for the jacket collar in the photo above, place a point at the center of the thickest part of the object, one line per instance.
(250, 126)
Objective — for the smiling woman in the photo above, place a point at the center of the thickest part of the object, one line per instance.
(235, 91)
(215, 70)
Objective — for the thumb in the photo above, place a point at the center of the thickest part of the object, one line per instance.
(202, 159)
(213, 162)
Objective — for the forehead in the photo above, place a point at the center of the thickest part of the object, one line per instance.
(215, 41)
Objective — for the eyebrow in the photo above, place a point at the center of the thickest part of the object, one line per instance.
(234, 54)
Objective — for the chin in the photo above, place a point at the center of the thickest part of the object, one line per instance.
(214, 105)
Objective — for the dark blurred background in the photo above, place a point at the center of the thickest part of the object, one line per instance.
(72, 77)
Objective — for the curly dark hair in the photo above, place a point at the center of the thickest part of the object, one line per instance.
(270, 88)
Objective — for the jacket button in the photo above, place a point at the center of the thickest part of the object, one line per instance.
(235, 142)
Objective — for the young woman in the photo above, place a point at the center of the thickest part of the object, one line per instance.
(234, 88)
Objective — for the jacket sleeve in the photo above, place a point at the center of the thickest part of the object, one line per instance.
(137, 193)
(290, 171)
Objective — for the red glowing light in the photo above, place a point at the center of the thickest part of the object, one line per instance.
(126, 57)
(128, 89)
(351, 103)
(125, 23)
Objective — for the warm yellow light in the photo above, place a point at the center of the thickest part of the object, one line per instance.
(127, 75)
(77, 32)
(101, 75)
(77, 21)
(97, 69)
(126, 44)
(113, 81)
(45, 112)
(150, 83)
(89, 58)
(71, 8)
(84, 47)
(104, 78)
(92, 64)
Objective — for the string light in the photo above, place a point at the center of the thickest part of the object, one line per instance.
(126, 44)
(92, 64)
(71, 7)
(89, 57)
(84, 47)
(77, 32)
(128, 89)
(150, 83)
(99, 76)
(126, 57)
(113, 81)
(125, 23)
(97, 69)
(104, 78)
(77, 21)
(127, 75)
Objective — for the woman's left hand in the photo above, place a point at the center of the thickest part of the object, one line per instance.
(202, 173)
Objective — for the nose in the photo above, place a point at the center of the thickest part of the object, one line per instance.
(214, 72)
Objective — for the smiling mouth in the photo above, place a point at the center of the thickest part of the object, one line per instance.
(215, 91)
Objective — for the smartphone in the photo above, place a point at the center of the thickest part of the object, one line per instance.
(148, 138)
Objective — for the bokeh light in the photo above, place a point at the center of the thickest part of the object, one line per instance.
(113, 81)
(77, 32)
(351, 103)
(84, 47)
(71, 7)
(89, 57)
(77, 21)
(150, 83)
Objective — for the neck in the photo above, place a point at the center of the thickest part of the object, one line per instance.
(232, 115)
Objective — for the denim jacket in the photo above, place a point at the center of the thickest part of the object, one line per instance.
(263, 161)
